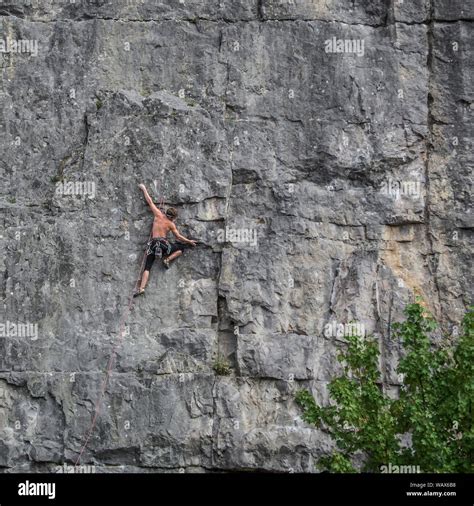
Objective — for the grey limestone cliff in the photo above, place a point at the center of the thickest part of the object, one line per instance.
(320, 149)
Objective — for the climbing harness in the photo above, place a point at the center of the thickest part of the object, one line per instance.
(157, 246)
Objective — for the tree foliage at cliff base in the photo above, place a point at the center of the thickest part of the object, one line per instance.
(429, 426)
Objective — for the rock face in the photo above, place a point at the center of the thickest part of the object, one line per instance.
(321, 150)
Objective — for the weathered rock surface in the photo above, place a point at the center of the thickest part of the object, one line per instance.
(234, 112)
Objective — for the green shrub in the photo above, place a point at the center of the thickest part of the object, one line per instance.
(221, 367)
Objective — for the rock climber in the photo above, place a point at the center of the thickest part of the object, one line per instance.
(159, 246)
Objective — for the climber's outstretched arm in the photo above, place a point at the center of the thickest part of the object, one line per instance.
(180, 237)
(150, 202)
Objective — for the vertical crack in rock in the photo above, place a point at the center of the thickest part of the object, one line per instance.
(85, 141)
(214, 421)
(260, 10)
(432, 256)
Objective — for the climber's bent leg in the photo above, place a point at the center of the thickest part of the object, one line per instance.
(174, 255)
(176, 251)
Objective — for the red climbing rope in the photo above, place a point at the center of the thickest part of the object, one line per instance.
(111, 363)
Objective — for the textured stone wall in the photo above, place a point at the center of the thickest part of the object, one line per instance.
(238, 115)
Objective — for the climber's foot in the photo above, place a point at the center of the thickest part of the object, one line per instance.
(139, 292)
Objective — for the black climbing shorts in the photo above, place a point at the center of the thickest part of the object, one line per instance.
(161, 248)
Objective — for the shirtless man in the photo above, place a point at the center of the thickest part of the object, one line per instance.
(159, 245)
